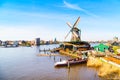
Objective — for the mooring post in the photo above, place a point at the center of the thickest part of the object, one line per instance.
(50, 54)
(39, 50)
(60, 59)
(49, 49)
(68, 64)
(54, 58)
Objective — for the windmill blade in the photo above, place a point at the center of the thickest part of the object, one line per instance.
(76, 23)
(75, 34)
(70, 25)
(67, 34)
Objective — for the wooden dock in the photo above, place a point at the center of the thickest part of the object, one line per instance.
(50, 54)
(50, 50)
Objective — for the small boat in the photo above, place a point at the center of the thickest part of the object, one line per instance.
(118, 54)
(99, 55)
(70, 62)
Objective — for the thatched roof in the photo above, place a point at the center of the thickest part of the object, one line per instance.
(77, 44)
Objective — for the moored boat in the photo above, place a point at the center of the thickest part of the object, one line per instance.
(70, 62)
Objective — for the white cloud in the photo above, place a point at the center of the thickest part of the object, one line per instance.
(72, 6)
(76, 7)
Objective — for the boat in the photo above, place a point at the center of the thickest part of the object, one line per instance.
(99, 55)
(70, 62)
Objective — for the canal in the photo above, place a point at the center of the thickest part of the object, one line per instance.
(22, 63)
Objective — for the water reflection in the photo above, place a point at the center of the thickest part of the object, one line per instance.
(22, 63)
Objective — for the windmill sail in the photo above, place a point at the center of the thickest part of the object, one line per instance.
(70, 25)
(67, 34)
(76, 23)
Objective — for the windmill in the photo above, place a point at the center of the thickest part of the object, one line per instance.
(76, 33)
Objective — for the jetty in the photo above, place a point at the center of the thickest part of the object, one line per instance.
(50, 50)
(49, 54)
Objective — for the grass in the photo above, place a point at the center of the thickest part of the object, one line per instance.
(105, 70)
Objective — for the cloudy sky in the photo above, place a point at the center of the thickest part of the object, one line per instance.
(29, 19)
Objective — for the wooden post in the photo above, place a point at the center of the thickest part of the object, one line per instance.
(68, 64)
(54, 58)
(60, 59)
(39, 50)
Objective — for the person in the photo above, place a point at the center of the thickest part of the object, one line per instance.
(60, 59)
(54, 58)
(39, 50)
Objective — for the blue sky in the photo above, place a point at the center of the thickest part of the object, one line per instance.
(29, 19)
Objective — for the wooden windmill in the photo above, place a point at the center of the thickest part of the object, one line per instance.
(76, 33)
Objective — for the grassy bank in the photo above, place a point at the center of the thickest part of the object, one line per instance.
(105, 69)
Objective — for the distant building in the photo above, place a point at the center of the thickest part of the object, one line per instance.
(115, 39)
(33, 42)
(37, 41)
(10, 42)
(0, 42)
(19, 42)
(55, 41)
(51, 41)
(42, 42)
(15, 44)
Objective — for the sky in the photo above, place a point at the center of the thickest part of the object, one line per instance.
(46, 19)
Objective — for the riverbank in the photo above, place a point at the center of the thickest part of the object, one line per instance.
(106, 69)
(96, 59)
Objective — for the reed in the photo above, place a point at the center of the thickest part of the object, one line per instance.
(104, 69)
(108, 70)
(94, 62)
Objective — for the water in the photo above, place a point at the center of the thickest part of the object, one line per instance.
(22, 63)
